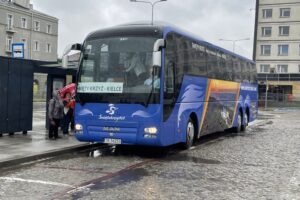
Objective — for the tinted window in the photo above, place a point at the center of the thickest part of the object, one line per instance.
(212, 63)
(171, 57)
(221, 67)
(245, 72)
(253, 74)
(229, 68)
(175, 55)
(237, 70)
(248, 74)
(180, 60)
(197, 59)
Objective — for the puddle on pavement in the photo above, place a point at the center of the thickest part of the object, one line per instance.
(126, 177)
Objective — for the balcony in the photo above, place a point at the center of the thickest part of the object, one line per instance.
(10, 29)
(8, 49)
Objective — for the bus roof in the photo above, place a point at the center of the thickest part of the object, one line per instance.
(157, 29)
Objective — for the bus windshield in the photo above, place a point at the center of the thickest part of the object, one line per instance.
(118, 70)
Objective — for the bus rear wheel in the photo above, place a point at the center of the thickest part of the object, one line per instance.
(238, 128)
(190, 134)
(246, 121)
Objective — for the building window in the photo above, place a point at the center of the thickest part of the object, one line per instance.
(36, 46)
(285, 12)
(48, 48)
(24, 41)
(282, 68)
(267, 13)
(299, 68)
(23, 22)
(284, 30)
(283, 50)
(265, 50)
(10, 21)
(37, 26)
(9, 41)
(266, 31)
(49, 29)
(264, 68)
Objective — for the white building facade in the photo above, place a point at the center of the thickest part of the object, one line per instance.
(277, 49)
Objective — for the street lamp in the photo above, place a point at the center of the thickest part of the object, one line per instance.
(234, 41)
(151, 3)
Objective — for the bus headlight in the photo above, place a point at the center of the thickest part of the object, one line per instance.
(151, 130)
(78, 127)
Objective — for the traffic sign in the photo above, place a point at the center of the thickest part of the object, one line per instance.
(18, 50)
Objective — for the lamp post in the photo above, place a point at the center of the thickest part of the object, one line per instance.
(151, 3)
(234, 41)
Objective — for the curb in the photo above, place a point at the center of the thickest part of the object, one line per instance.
(52, 153)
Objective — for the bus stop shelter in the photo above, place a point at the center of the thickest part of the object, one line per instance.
(16, 89)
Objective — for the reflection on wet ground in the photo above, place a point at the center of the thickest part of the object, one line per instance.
(164, 152)
(148, 155)
(262, 163)
(187, 158)
(112, 182)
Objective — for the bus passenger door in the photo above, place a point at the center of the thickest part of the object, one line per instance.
(170, 118)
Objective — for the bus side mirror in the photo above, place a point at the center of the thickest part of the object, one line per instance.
(157, 59)
(158, 45)
(71, 47)
(76, 47)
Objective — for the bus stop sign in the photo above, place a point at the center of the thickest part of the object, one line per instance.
(18, 50)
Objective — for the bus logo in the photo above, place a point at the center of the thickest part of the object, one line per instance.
(112, 109)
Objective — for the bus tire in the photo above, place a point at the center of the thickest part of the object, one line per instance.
(246, 121)
(190, 134)
(239, 123)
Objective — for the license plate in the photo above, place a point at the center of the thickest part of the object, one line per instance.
(112, 141)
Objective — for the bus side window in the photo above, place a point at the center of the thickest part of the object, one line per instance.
(197, 59)
(221, 70)
(237, 70)
(248, 75)
(179, 62)
(212, 63)
(244, 72)
(169, 79)
(229, 69)
(253, 74)
(170, 57)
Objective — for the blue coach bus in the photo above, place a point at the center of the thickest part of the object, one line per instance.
(156, 85)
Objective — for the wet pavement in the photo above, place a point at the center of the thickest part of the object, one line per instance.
(14, 149)
(263, 163)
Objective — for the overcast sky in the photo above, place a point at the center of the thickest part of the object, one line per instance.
(210, 19)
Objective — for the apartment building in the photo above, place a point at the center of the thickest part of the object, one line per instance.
(277, 47)
(20, 23)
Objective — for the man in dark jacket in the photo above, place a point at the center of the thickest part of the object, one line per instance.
(55, 113)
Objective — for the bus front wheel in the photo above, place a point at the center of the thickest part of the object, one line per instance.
(190, 134)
